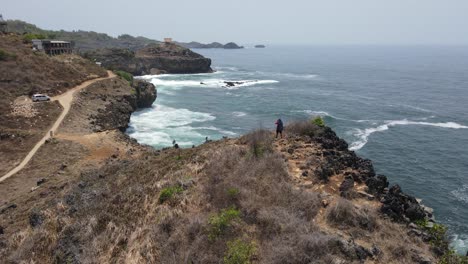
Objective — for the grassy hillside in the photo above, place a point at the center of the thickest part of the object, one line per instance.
(22, 73)
(82, 40)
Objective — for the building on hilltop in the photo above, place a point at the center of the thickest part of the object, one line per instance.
(3, 24)
(167, 40)
(52, 47)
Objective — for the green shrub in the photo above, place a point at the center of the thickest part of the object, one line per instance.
(239, 252)
(30, 36)
(318, 121)
(126, 75)
(220, 222)
(168, 192)
(438, 235)
(233, 192)
(451, 257)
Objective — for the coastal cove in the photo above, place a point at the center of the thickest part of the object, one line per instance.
(401, 107)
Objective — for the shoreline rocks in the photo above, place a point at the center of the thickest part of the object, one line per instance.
(396, 204)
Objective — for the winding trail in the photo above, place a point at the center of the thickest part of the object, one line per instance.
(65, 100)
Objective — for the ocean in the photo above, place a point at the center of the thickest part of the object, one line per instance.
(403, 107)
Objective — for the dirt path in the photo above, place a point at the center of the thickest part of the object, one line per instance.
(65, 100)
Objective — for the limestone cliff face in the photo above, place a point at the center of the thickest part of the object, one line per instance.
(145, 93)
(119, 108)
(152, 59)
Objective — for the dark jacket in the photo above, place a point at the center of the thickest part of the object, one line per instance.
(279, 125)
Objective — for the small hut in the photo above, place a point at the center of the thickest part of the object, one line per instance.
(3, 25)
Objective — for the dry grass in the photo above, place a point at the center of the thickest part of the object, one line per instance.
(114, 215)
(303, 128)
(345, 214)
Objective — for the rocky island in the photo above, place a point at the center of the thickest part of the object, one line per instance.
(305, 198)
(213, 45)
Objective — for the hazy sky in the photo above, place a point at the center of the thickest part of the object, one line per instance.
(257, 21)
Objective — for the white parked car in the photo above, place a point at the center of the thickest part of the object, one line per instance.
(40, 97)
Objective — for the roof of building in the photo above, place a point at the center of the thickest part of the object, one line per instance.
(51, 41)
(59, 41)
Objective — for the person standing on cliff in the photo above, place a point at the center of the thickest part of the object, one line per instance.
(279, 128)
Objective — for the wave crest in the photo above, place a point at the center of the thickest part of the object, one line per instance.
(363, 134)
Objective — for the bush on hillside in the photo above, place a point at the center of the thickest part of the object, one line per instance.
(126, 75)
(239, 252)
(318, 121)
(303, 128)
(220, 222)
(28, 37)
(344, 214)
(169, 192)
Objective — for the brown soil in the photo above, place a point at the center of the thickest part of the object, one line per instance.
(23, 124)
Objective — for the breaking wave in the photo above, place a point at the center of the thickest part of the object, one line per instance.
(326, 114)
(207, 83)
(239, 114)
(363, 134)
(161, 125)
(290, 75)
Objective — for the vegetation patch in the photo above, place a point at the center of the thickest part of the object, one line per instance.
(451, 257)
(304, 128)
(169, 192)
(239, 252)
(126, 75)
(259, 141)
(28, 37)
(343, 213)
(221, 221)
(318, 121)
(233, 192)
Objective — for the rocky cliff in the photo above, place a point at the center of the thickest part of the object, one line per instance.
(152, 59)
(304, 198)
(301, 199)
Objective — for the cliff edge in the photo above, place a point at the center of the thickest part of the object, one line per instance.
(152, 59)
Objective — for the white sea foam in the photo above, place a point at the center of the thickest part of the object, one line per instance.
(363, 134)
(212, 128)
(460, 244)
(162, 76)
(207, 83)
(169, 117)
(239, 114)
(226, 68)
(324, 114)
(289, 75)
(163, 124)
(461, 194)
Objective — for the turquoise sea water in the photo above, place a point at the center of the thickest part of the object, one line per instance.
(403, 107)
